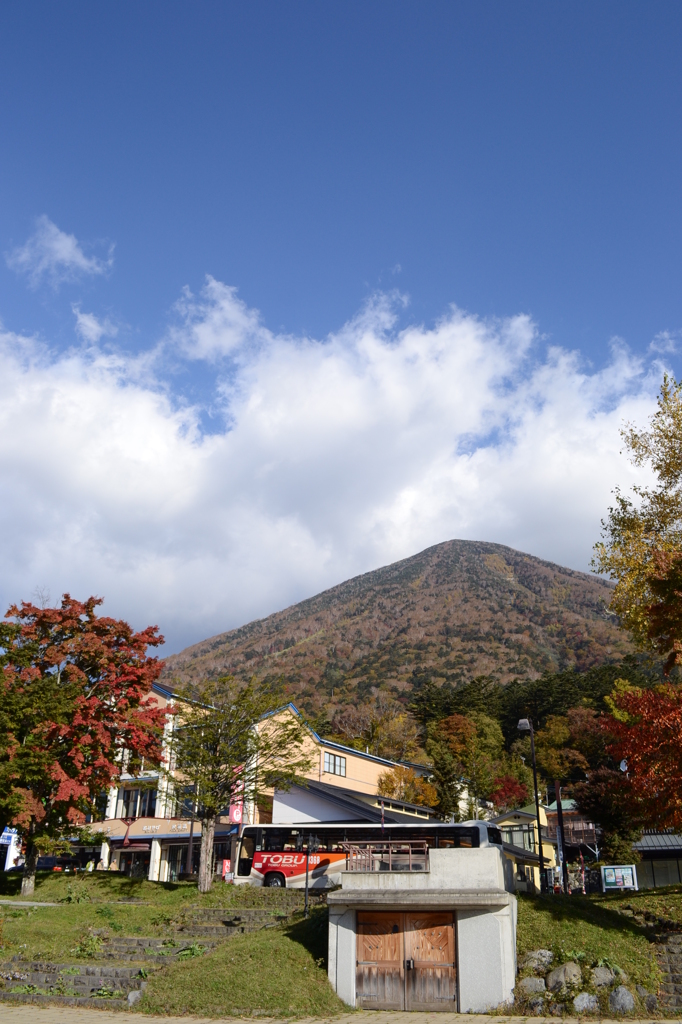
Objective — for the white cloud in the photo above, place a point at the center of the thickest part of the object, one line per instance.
(664, 343)
(54, 256)
(338, 456)
(217, 325)
(90, 328)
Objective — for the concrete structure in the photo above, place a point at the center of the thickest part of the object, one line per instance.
(440, 939)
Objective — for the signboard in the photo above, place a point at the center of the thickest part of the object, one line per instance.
(8, 836)
(623, 876)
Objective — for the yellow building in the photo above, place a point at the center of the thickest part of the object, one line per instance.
(520, 834)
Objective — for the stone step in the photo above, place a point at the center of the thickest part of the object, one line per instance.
(52, 1000)
(69, 970)
(72, 981)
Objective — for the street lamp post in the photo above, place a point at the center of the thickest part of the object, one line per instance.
(312, 847)
(525, 725)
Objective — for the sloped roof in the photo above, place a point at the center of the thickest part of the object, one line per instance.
(359, 803)
(651, 841)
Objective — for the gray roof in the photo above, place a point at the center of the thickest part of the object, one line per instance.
(658, 841)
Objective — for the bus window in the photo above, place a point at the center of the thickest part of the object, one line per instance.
(494, 836)
(246, 851)
(275, 840)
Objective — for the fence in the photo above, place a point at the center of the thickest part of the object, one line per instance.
(388, 856)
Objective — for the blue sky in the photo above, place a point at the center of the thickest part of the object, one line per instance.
(248, 224)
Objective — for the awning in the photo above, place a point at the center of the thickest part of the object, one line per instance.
(133, 847)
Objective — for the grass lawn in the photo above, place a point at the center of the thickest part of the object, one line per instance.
(106, 886)
(586, 931)
(281, 971)
(278, 971)
(122, 906)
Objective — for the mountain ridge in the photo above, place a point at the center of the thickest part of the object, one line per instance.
(454, 611)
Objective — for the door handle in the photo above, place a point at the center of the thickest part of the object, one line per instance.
(409, 965)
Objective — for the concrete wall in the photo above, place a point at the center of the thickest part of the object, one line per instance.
(448, 869)
(486, 958)
(342, 953)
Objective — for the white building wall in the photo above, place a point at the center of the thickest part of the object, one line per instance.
(298, 805)
(486, 958)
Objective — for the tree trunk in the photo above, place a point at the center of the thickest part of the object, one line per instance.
(206, 855)
(28, 882)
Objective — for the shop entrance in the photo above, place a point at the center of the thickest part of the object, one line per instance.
(135, 863)
(406, 961)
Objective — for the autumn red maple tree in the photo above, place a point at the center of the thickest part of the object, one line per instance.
(646, 731)
(75, 709)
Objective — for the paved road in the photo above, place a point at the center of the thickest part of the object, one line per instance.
(34, 1014)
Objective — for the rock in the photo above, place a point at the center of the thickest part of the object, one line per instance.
(538, 960)
(530, 986)
(648, 998)
(558, 1009)
(135, 996)
(567, 974)
(602, 976)
(621, 1000)
(537, 1005)
(585, 1003)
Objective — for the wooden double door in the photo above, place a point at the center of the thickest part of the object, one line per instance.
(406, 961)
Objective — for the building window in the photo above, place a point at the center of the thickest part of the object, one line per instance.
(139, 803)
(334, 764)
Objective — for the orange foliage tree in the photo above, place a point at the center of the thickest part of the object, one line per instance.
(404, 784)
(646, 731)
(75, 709)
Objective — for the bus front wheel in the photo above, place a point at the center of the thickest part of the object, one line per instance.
(274, 881)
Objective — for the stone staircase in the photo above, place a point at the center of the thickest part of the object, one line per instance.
(667, 938)
(119, 981)
(72, 984)
(669, 956)
(220, 923)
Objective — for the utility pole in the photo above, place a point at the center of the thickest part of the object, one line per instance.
(526, 725)
(560, 822)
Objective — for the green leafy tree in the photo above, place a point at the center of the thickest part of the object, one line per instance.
(226, 749)
(642, 534)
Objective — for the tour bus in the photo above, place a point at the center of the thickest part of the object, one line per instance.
(280, 855)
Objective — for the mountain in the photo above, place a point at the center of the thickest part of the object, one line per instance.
(453, 612)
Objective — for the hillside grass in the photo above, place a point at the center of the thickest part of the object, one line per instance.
(103, 901)
(110, 886)
(594, 929)
(281, 971)
(278, 972)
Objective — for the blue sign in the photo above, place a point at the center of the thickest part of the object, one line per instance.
(7, 836)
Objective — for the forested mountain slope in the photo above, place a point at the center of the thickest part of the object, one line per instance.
(453, 612)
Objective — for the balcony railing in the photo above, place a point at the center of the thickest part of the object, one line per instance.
(388, 856)
(575, 833)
